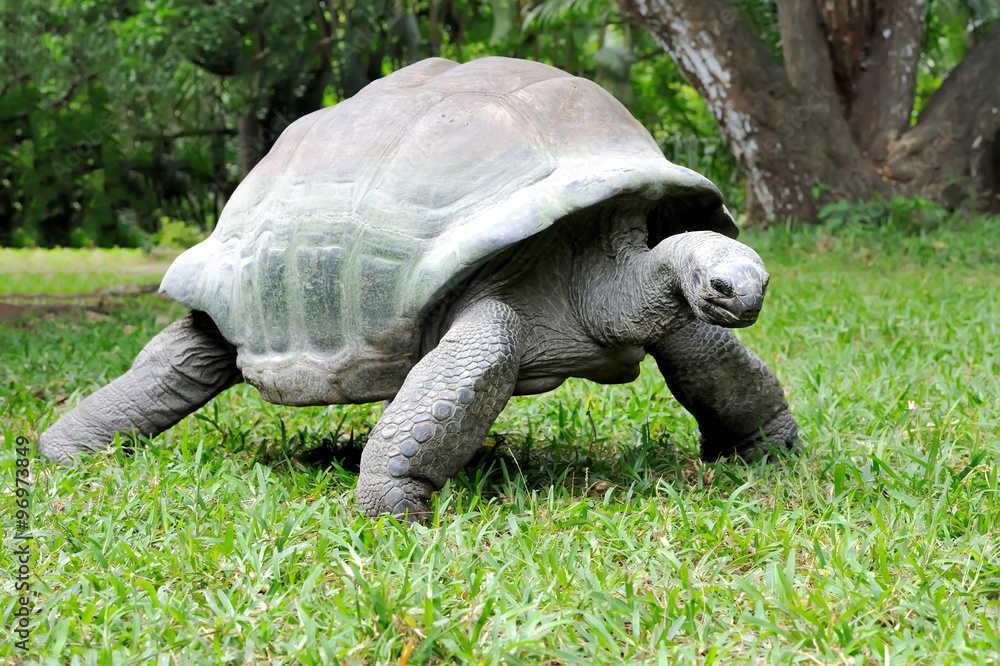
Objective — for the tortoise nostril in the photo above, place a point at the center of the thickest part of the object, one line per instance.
(723, 286)
(751, 306)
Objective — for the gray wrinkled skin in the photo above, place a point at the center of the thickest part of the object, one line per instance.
(181, 369)
(452, 236)
(698, 363)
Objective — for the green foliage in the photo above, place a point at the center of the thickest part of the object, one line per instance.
(952, 26)
(879, 544)
(175, 233)
(762, 15)
(907, 214)
(116, 115)
(113, 115)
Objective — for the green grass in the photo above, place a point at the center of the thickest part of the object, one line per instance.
(881, 544)
(67, 271)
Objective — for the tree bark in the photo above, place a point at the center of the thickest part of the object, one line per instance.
(954, 148)
(886, 82)
(786, 139)
(837, 113)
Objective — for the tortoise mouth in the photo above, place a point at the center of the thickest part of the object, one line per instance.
(735, 312)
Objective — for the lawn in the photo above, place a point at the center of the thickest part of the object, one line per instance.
(587, 532)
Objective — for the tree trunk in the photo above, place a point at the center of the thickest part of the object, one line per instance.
(837, 113)
(955, 146)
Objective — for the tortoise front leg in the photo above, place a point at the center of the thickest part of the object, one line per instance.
(738, 402)
(442, 413)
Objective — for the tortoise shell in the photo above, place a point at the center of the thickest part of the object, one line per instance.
(331, 253)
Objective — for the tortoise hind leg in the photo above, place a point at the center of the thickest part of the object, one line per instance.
(442, 413)
(187, 364)
(738, 403)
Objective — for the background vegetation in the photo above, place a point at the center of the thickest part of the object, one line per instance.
(118, 116)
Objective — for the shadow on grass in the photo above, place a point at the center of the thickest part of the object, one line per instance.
(507, 463)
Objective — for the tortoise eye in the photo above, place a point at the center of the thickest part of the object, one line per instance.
(723, 286)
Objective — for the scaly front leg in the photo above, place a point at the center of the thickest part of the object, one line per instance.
(442, 413)
(737, 400)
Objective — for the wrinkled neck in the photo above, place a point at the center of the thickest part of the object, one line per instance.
(637, 299)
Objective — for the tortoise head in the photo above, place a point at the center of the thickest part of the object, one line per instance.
(698, 273)
(724, 281)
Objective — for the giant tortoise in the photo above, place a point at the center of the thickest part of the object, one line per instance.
(449, 237)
